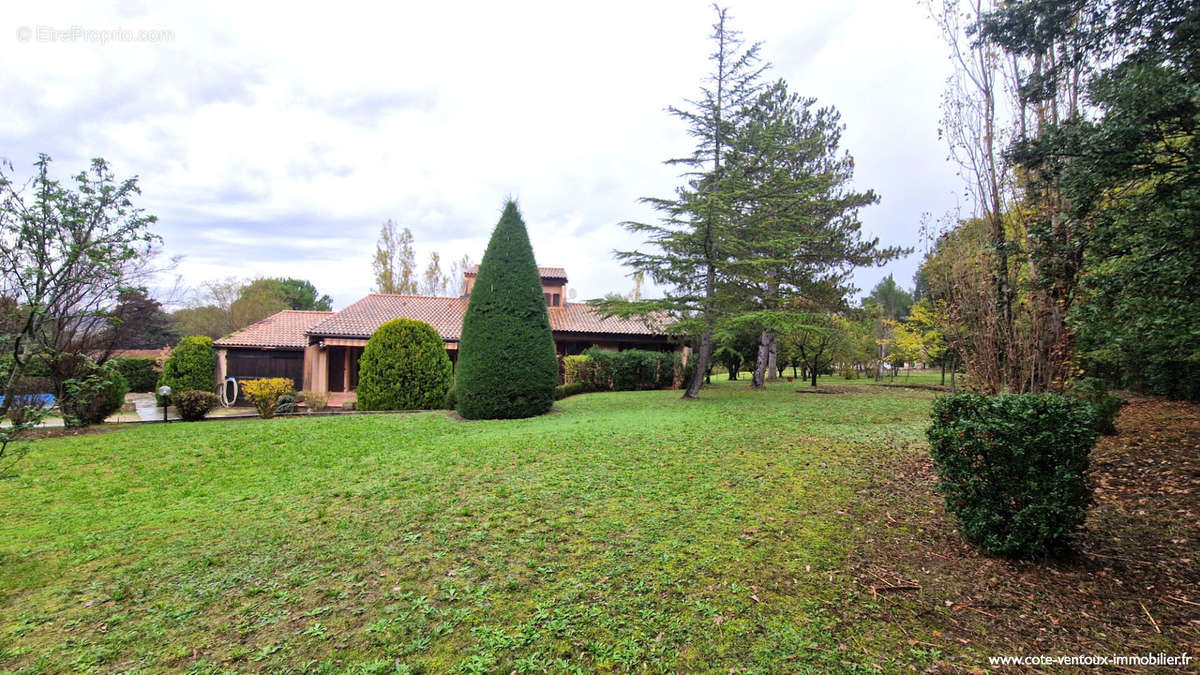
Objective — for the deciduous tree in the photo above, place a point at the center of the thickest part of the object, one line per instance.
(395, 263)
(67, 252)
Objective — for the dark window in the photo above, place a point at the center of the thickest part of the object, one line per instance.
(547, 299)
(556, 299)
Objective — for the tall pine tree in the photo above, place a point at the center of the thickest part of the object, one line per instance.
(796, 236)
(693, 232)
(507, 365)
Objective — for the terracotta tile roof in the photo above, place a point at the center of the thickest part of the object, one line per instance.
(285, 329)
(545, 272)
(577, 317)
(362, 318)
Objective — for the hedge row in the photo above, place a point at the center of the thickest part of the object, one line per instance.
(630, 370)
(140, 372)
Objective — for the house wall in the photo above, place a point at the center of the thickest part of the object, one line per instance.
(222, 368)
(317, 359)
(551, 289)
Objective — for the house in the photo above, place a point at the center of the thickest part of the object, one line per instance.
(319, 351)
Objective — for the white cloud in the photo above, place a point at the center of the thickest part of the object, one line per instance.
(276, 139)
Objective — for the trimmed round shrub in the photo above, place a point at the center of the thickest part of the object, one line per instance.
(507, 365)
(451, 400)
(190, 367)
(404, 367)
(1012, 469)
(96, 393)
(194, 405)
(141, 373)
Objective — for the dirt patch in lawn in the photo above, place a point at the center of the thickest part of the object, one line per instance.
(58, 432)
(830, 389)
(1132, 585)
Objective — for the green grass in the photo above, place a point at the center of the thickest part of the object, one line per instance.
(622, 531)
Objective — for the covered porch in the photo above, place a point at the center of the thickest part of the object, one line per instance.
(331, 366)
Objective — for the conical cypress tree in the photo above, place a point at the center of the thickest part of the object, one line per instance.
(507, 366)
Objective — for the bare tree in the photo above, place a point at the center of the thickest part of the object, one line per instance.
(395, 263)
(434, 282)
(458, 272)
(67, 253)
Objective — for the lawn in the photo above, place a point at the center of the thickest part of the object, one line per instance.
(761, 530)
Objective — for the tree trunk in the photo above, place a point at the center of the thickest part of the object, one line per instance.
(762, 363)
(943, 372)
(705, 355)
(701, 370)
(774, 370)
(813, 372)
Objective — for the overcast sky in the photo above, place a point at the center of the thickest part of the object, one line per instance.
(275, 142)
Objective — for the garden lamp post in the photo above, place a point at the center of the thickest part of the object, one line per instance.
(165, 392)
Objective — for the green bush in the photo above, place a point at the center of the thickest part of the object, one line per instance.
(194, 405)
(634, 369)
(1105, 404)
(580, 369)
(265, 393)
(315, 400)
(141, 373)
(97, 392)
(404, 367)
(668, 366)
(451, 399)
(287, 403)
(190, 367)
(565, 390)
(507, 366)
(1012, 468)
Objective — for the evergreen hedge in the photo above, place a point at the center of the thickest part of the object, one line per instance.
(1012, 468)
(190, 367)
(633, 369)
(404, 367)
(507, 366)
(140, 372)
(579, 369)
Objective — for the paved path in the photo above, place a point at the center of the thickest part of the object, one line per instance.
(147, 410)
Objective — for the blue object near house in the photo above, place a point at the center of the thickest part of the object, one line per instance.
(37, 400)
